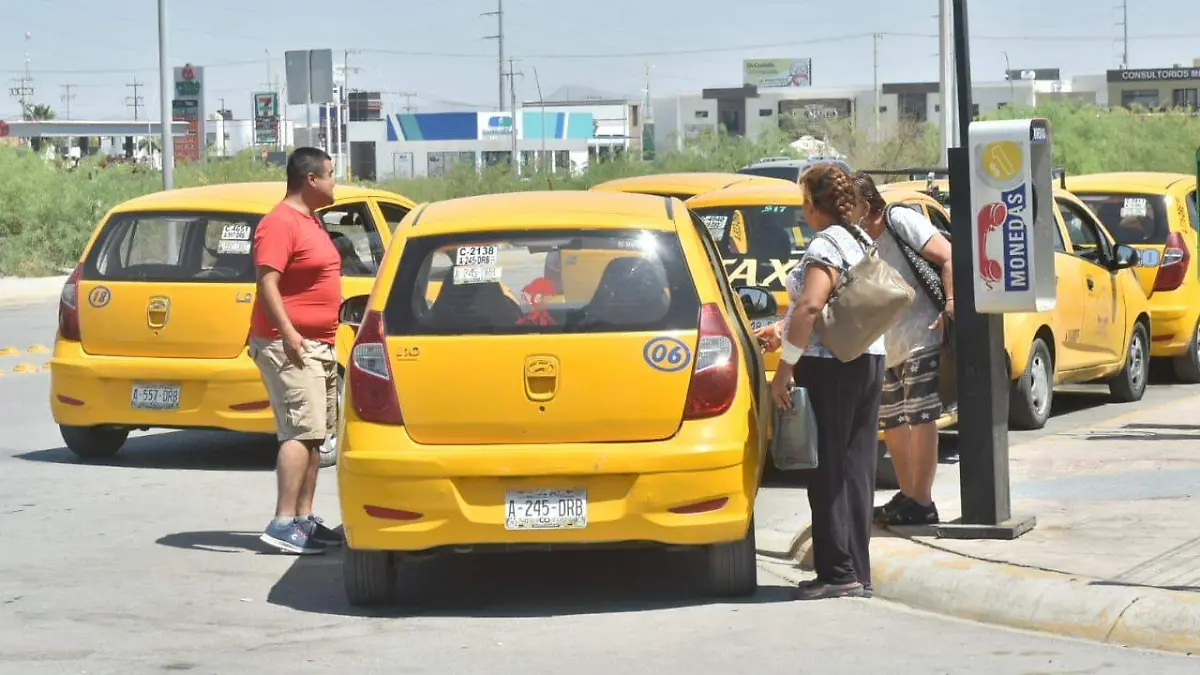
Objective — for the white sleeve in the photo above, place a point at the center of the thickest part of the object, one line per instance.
(913, 227)
(822, 251)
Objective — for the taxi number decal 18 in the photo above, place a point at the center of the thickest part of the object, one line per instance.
(667, 354)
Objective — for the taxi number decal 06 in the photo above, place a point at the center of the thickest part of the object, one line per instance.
(475, 256)
(667, 354)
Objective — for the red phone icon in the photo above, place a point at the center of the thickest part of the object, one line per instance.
(991, 217)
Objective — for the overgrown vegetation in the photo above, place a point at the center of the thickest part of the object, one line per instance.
(47, 212)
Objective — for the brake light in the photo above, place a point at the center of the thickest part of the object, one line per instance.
(1174, 266)
(372, 391)
(715, 373)
(68, 306)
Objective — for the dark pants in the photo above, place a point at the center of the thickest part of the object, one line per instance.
(841, 490)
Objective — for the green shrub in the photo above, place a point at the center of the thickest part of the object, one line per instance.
(47, 212)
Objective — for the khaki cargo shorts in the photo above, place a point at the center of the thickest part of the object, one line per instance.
(304, 399)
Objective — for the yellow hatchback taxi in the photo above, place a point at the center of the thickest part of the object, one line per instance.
(153, 321)
(635, 415)
(684, 185)
(1099, 329)
(1156, 213)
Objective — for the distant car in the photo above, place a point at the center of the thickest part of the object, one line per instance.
(634, 412)
(789, 168)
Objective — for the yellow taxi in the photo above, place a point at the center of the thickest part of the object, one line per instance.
(1156, 213)
(1099, 330)
(761, 234)
(684, 185)
(635, 415)
(153, 321)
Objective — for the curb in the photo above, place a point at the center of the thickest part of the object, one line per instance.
(927, 578)
(15, 292)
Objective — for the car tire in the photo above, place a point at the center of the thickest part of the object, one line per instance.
(885, 470)
(369, 577)
(733, 567)
(93, 442)
(1187, 366)
(328, 449)
(1129, 385)
(1031, 395)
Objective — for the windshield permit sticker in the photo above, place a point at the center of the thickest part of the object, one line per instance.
(476, 274)
(667, 354)
(1134, 207)
(476, 256)
(716, 225)
(233, 247)
(235, 232)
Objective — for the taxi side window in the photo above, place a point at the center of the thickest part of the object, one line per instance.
(939, 221)
(352, 230)
(393, 214)
(1191, 208)
(1085, 237)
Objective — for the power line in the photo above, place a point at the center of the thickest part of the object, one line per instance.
(134, 101)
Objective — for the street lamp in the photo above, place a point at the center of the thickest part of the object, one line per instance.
(1008, 76)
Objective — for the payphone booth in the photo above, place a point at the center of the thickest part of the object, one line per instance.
(1012, 216)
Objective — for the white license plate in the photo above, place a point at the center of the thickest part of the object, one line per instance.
(155, 397)
(545, 509)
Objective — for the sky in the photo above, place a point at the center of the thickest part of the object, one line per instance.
(437, 51)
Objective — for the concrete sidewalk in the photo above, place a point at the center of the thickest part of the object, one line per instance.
(1115, 556)
(24, 291)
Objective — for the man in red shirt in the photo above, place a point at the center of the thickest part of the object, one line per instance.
(292, 332)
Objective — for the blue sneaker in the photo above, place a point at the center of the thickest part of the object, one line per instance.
(294, 537)
(321, 533)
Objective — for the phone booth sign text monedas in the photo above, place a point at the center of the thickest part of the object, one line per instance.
(1012, 216)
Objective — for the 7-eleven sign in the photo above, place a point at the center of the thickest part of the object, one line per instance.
(266, 118)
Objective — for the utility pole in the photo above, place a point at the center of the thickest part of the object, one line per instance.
(499, 38)
(875, 38)
(23, 92)
(947, 119)
(67, 97)
(1124, 34)
(343, 119)
(512, 89)
(134, 101)
(165, 95)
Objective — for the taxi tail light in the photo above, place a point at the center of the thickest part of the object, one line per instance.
(372, 389)
(68, 306)
(1174, 266)
(715, 374)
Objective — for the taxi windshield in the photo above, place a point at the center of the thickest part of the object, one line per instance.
(1132, 218)
(561, 281)
(759, 232)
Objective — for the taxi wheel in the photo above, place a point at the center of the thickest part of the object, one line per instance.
(885, 470)
(93, 442)
(1030, 395)
(1187, 365)
(1130, 384)
(733, 568)
(369, 577)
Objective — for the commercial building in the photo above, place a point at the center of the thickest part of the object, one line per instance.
(1156, 88)
(404, 145)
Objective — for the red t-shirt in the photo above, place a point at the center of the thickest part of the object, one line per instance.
(310, 274)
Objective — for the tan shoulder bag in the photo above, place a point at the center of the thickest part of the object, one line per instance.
(869, 298)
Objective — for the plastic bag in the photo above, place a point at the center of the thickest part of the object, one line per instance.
(794, 446)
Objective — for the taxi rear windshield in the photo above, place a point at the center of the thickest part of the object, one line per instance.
(1131, 218)
(173, 247)
(556, 282)
(763, 232)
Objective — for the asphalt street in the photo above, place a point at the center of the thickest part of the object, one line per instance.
(150, 563)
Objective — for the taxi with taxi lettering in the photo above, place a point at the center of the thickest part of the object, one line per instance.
(1099, 329)
(1156, 214)
(153, 321)
(633, 412)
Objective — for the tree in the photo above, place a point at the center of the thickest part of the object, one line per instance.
(39, 111)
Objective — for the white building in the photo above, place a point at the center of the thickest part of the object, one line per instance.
(749, 110)
(226, 138)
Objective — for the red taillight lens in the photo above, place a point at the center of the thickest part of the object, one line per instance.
(715, 377)
(369, 379)
(1174, 266)
(68, 306)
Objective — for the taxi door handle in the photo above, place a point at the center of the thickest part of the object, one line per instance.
(1091, 284)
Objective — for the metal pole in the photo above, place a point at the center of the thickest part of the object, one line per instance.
(500, 45)
(512, 90)
(165, 94)
(542, 106)
(946, 77)
(979, 340)
(1012, 94)
(875, 88)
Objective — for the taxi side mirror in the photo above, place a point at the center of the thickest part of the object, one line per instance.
(1125, 257)
(758, 302)
(352, 311)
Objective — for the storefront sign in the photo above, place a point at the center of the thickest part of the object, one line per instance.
(188, 106)
(266, 118)
(1153, 74)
